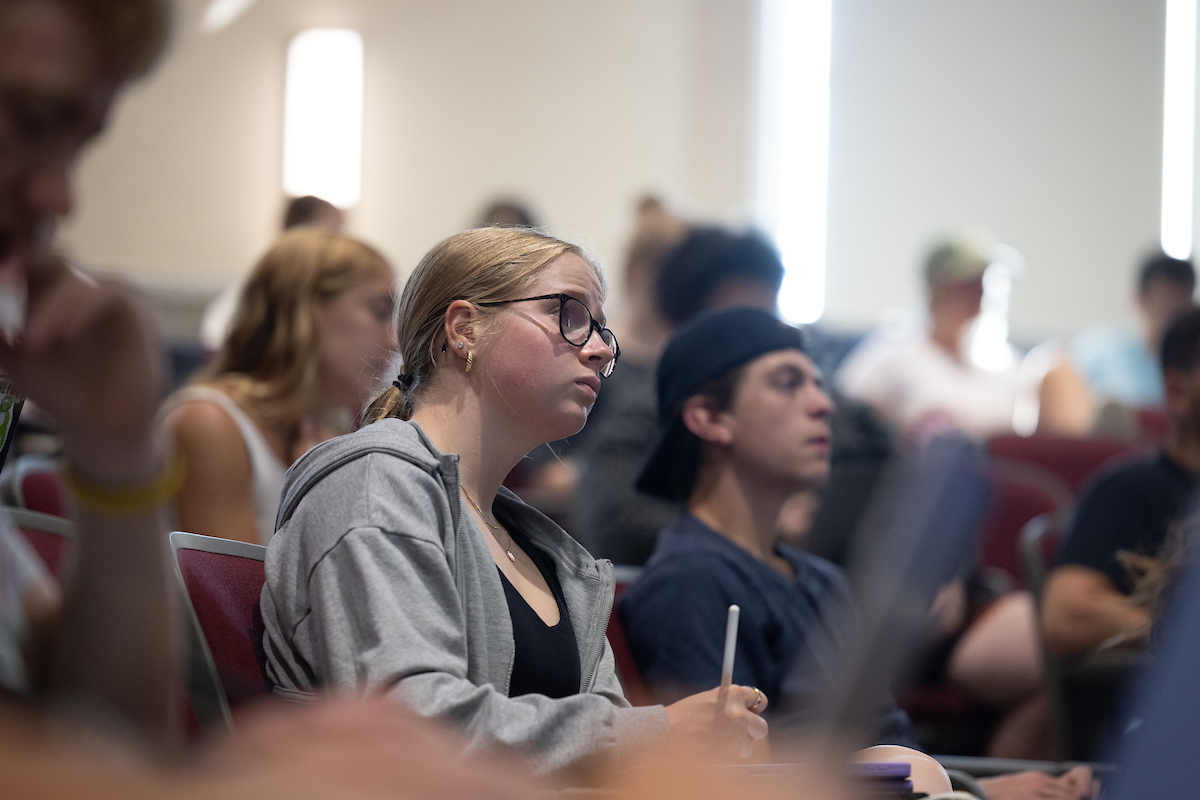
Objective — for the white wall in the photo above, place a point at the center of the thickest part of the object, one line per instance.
(575, 105)
(1040, 120)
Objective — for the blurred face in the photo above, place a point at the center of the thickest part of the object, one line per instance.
(958, 302)
(53, 99)
(779, 422)
(1160, 303)
(545, 383)
(355, 340)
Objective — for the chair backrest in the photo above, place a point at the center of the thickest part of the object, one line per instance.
(222, 581)
(1039, 544)
(1040, 538)
(1074, 460)
(636, 691)
(38, 485)
(51, 537)
(1020, 492)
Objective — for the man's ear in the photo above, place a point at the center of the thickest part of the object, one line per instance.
(706, 421)
(461, 327)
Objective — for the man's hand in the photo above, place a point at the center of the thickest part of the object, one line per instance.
(89, 357)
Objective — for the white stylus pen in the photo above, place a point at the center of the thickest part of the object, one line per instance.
(731, 628)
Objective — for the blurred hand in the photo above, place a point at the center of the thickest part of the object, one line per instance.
(728, 718)
(1077, 784)
(90, 357)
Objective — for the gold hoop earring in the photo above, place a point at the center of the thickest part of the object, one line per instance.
(470, 362)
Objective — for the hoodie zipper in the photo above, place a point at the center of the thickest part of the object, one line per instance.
(604, 611)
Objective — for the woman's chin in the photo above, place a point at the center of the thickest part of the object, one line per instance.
(570, 424)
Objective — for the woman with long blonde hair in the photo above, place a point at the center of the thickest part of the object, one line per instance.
(311, 338)
(402, 565)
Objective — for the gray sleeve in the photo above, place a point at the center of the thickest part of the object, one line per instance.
(386, 615)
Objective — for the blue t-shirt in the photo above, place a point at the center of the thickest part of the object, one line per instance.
(792, 636)
(1117, 366)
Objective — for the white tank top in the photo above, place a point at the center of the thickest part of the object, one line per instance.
(266, 469)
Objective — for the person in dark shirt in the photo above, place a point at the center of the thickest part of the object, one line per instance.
(745, 425)
(1129, 510)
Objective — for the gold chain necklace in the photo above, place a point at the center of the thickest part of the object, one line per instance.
(508, 549)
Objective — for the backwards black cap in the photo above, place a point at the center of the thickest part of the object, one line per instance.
(700, 352)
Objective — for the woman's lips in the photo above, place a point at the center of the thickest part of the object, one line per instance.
(590, 383)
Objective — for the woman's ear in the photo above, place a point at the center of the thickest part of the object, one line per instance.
(461, 323)
(702, 417)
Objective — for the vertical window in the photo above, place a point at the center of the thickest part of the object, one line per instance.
(793, 146)
(322, 132)
(1179, 124)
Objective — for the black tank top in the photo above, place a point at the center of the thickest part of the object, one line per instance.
(546, 660)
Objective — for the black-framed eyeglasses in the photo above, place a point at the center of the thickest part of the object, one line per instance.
(575, 323)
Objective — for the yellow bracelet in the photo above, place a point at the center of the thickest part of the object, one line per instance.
(135, 500)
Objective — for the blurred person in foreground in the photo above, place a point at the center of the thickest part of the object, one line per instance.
(87, 354)
(710, 268)
(925, 383)
(312, 336)
(743, 427)
(1112, 370)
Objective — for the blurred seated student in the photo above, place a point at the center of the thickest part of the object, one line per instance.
(507, 212)
(310, 340)
(301, 212)
(313, 212)
(1111, 370)
(401, 564)
(744, 427)
(1129, 511)
(710, 268)
(924, 383)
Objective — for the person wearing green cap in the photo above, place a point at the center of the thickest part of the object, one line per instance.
(924, 383)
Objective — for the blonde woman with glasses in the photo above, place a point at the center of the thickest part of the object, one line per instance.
(402, 565)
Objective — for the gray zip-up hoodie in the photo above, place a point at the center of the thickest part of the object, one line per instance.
(376, 579)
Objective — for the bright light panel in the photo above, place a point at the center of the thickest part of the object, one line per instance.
(322, 131)
(1179, 123)
(793, 147)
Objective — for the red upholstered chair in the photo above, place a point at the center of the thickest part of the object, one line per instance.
(38, 485)
(1075, 461)
(51, 537)
(636, 691)
(1020, 492)
(222, 581)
